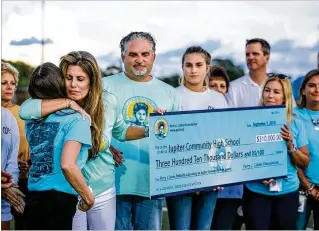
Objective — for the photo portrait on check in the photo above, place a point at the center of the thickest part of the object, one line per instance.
(161, 129)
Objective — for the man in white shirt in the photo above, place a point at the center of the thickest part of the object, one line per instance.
(246, 91)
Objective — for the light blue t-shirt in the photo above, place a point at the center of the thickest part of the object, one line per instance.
(291, 182)
(46, 140)
(136, 101)
(98, 172)
(10, 139)
(305, 115)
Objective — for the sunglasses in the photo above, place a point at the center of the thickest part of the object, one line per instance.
(280, 76)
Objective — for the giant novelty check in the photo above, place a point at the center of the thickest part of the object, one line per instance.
(199, 150)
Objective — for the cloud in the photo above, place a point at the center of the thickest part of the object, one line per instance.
(289, 58)
(30, 41)
(283, 45)
(11, 8)
(97, 28)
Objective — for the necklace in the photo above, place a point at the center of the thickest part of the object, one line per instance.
(314, 122)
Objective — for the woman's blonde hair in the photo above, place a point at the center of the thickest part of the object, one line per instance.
(287, 90)
(8, 68)
(93, 103)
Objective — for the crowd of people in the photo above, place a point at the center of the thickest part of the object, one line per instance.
(75, 154)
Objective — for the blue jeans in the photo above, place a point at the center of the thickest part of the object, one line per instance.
(135, 212)
(190, 211)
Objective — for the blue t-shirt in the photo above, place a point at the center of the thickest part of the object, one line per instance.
(305, 115)
(9, 154)
(46, 141)
(136, 100)
(291, 182)
(98, 172)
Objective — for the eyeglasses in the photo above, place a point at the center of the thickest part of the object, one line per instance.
(280, 76)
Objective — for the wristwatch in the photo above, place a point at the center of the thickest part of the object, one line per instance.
(308, 191)
(147, 131)
(293, 150)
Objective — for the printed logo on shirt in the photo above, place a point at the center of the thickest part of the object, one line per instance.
(161, 128)
(6, 130)
(41, 143)
(136, 111)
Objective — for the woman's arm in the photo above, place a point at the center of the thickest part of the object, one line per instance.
(300, 156)
(49, 106)
(73, 173)
(307, 185)
(303, 179)
(39, 108)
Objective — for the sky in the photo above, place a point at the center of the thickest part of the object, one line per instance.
(220, 27)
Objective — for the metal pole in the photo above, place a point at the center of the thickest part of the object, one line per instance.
(42, 40)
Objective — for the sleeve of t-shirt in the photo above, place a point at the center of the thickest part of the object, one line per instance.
(222, 100)
(225, 103)
(120, 127)
(30, 109)
(177, 105)
(79, 130)
(231, 101)
(301, 139)
(12, 163)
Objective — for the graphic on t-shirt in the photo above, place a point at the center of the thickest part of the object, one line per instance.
(161, 128)
(41, 143)
(5, 130)
(136, 111)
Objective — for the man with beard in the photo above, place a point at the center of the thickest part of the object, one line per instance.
(134, 210)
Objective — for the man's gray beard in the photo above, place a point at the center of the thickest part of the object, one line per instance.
(139, 72)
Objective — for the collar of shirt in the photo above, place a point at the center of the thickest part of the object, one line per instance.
(247, 80)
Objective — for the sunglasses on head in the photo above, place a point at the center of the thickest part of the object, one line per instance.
(280, 76)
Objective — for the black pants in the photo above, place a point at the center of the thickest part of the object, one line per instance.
(19, 219)
(49, 210)
(262, 212)
(225, 213)
(314, 205)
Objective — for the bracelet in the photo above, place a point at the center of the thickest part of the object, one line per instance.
(308, 191)
(69, 104)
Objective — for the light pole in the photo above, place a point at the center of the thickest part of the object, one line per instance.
(42, 30)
